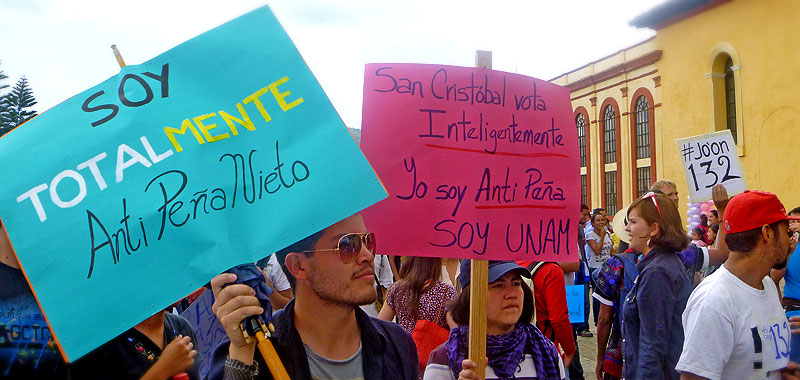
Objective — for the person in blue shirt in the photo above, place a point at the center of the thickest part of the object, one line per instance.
(791, 288)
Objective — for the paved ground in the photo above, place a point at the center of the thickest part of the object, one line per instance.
(588, 350)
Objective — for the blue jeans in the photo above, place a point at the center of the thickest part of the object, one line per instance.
(794, 347)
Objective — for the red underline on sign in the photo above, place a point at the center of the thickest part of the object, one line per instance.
(520, 206)
(534, 155)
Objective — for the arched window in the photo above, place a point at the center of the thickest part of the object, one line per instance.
(582, 126)
(642, 129)
(730, 98)
(609, 135)
(726, 92)
(610, 169)
(580, 123)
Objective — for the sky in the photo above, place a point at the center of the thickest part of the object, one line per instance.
(63, 46)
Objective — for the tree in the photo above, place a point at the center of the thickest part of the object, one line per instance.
(3, 76)
(15, 106)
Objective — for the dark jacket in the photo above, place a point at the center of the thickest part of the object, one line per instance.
(127, 357)
(651, 316)
(387, 350)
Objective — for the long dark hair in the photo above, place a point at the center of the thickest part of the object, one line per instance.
(420, 274)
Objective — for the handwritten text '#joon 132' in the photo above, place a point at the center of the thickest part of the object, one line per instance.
(127, 156)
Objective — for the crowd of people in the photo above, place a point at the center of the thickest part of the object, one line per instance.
(667, 304)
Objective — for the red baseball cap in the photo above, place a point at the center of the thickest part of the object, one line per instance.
(753, 209)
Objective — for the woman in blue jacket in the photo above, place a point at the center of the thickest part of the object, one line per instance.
(651, 314)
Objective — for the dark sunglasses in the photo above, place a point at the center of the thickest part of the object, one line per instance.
(349, 246)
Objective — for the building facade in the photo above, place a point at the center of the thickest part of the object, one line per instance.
(713, 65)
(616, 103)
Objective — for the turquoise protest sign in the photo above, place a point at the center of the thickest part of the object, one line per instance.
(134, 193)
(575, 303)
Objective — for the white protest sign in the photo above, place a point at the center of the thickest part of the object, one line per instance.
(708, 160)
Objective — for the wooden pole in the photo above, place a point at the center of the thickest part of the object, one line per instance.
(118, 56)
(479, 280)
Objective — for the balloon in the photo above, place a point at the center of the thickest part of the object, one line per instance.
(695, 218)
(694, 210)
(705, 207)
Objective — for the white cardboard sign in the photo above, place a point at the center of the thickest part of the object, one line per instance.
(708, 160)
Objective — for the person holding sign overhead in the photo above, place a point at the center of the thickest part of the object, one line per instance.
(322, 333)
(515, 348)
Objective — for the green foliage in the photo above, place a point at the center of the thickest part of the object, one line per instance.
(15, 106)
(3, 76)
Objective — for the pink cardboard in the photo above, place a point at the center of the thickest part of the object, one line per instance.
(479, 164)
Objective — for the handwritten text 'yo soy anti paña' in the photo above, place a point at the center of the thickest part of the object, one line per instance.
(203, 128)
(493, 190)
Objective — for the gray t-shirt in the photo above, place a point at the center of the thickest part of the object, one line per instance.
(323, 368)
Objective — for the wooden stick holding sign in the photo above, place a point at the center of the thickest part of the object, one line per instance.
(118, 56)
(479, 280)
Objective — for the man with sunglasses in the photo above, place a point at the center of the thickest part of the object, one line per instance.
(322, 333)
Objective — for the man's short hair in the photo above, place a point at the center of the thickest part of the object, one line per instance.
(597, 210)
(746, 241)
(661, 183)
(795, 210)
(584, 206)
(306, 244)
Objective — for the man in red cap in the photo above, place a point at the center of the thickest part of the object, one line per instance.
(734, 324)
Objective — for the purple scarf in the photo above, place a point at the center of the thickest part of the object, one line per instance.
(506, 352)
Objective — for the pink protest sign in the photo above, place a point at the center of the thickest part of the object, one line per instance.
(478, 163)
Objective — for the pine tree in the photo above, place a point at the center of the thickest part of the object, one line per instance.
(14, 106)
(3, 76)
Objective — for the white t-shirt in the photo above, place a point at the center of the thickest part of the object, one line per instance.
(525, 370)
(597, 260)
(275, 274)
(734, 331)
(383, 271)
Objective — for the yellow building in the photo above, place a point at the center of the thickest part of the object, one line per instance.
(616, 102)
(713, 65)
